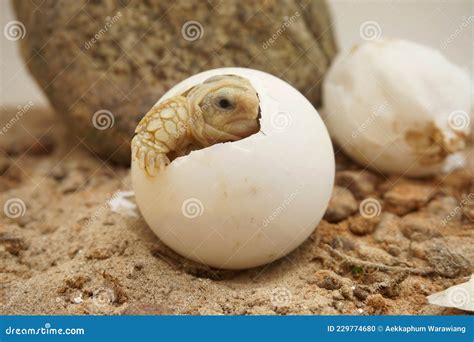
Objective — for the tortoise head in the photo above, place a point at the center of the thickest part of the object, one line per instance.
(229, 107)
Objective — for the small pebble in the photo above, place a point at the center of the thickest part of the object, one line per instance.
(406, 196)
(341, 242)
(360, 293)
(444, 207)
(419, 227)
(362, 226)
(328, 280)
(448, 263)
(361, 183)
(58, 173)
(387, 231)
(342, 205)
(78, 299)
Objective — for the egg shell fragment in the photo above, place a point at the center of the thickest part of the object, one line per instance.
(249, 202)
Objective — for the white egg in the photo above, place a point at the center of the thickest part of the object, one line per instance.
(245, 203)
(397, 106)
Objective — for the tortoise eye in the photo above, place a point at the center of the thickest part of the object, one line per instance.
(223, 103)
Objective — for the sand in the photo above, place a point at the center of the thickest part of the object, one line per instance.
(70, 254)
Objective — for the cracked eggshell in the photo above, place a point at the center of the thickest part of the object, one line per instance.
(397, 106)
(459, 296)
(245, 203)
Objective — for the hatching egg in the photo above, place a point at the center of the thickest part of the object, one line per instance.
(243, 203)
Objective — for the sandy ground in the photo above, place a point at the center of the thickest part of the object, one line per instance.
(70, 254)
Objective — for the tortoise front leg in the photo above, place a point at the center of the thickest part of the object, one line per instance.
(163, 130)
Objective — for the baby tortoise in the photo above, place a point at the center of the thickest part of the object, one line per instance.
(222, 108)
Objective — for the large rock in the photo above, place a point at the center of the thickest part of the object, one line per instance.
(119, 56)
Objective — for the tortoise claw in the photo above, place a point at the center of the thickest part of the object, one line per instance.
(155, 163)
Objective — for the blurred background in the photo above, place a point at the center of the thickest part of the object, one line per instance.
(445, 25)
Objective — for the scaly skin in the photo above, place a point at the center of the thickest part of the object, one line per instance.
(162, 130)
(223, 108)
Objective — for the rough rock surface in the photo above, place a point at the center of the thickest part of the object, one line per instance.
(70, 254)
(119, 56)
